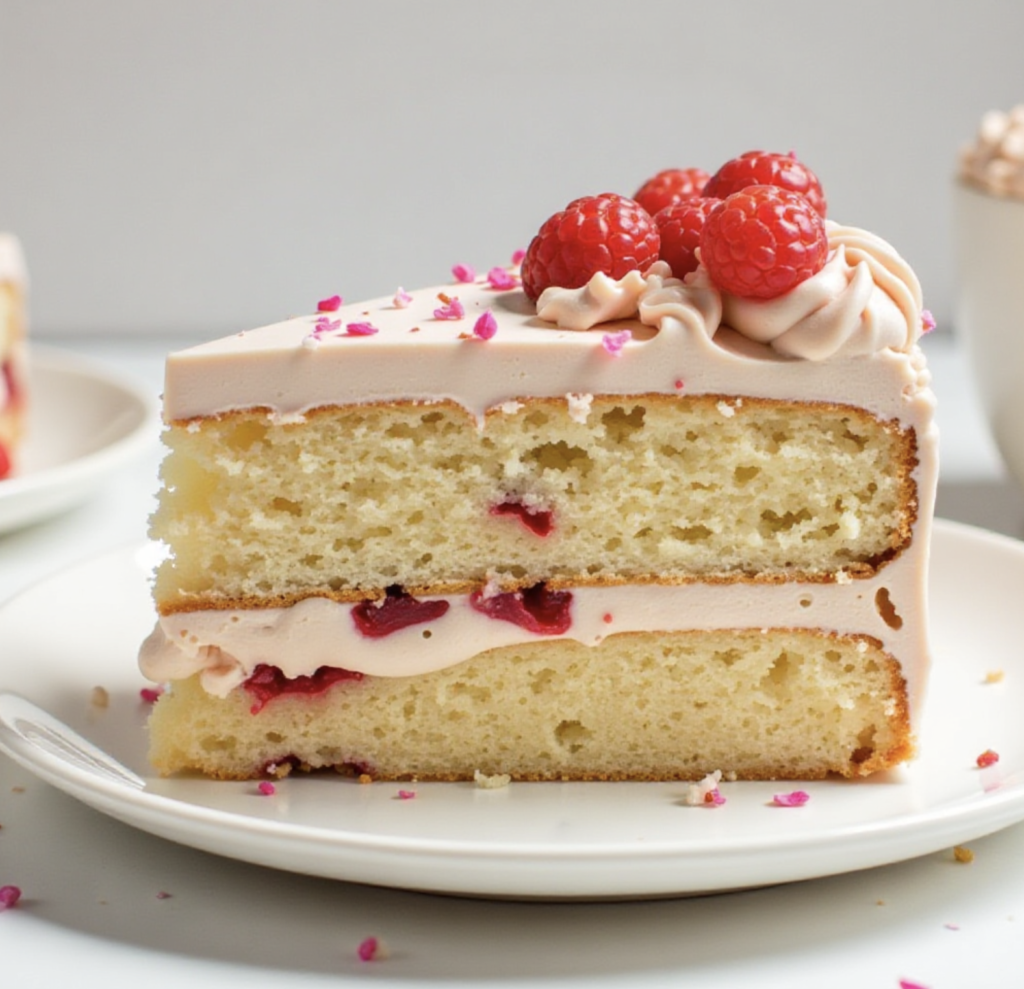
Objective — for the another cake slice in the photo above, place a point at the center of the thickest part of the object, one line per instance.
(13, 368)
(642, 529)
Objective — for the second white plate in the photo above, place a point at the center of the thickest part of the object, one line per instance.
(560, 840)
(83, 423)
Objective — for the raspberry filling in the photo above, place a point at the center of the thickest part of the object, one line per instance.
(536, 609)
(398, 610)
(540, 521)
(268, 682)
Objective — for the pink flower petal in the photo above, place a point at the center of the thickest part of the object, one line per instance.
(714, 797)
(9, 896)
(463, 273)
(501, 279)
(333, 304)
(987, 758)
(325, 325)
(361, 329)
(907, 984)
(367, 949)
(795, 799)
(927, 321)
(517, 256)
(401, 299)
(450, 308)
(267, 788)
(614, 342)
(151, 694)
(406, 794)
(486, 326)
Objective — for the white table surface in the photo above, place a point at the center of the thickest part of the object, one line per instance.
(90, 915)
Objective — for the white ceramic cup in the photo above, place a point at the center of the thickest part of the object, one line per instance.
(989, 235)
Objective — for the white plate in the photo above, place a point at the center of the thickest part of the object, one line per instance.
(81, 629)
(84, 422)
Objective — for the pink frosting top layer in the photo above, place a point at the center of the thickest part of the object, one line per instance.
(847, 335)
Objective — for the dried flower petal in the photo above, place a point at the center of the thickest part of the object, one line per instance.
(9, 896)
(372, 949)
(463, 273)
(151, 694)
(267, 788)
(517, 256)
(401, 299)
(361, 329)
(486, 326)
(333, 304)
(449, 309)
(614, 342)
(927, 321)
(406, 794)
(987, 758)
(501, 279)
(795, 799)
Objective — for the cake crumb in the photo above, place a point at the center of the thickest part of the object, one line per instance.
(726, 409)
(365, 778)
(963, 854)
(17, 789)
(697, 793)
(510, 408)
(494, 781)
(994, 676)
(579, 406)
(99, 697)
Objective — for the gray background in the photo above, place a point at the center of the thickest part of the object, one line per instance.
(199, 167)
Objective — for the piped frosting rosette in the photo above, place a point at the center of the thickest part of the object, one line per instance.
(865, 299)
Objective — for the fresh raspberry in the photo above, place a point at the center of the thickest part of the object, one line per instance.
(398, 610)
(763, 241)
(766, 168)
(680, 227)
(606, 233)
(673, 185)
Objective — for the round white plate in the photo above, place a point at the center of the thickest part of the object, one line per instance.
(84, 422)
(81, 629)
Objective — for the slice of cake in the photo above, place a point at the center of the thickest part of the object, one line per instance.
(13, 368)
(642, 528)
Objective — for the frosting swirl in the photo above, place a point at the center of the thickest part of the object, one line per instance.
(865, 299)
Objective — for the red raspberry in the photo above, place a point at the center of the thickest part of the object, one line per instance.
(766, 168)
(680, 227)
(763, 241)
(5, 462)
(674, 185)
(606, 233)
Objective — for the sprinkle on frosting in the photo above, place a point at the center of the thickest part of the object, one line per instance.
(401, 299)
(987, 758)
(333, 304)
(614, 342)
(9, 896)
(464, 273)
(486, 326)
(492, 781)
(267, 788)
(361, 329)
(450, 308)
(501, 279)
(795, 799)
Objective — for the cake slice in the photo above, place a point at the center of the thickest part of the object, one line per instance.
(637, 527)
(13, 369)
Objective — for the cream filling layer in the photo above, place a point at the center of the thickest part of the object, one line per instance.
(224, 647)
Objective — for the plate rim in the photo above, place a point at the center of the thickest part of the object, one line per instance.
(962, 818)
